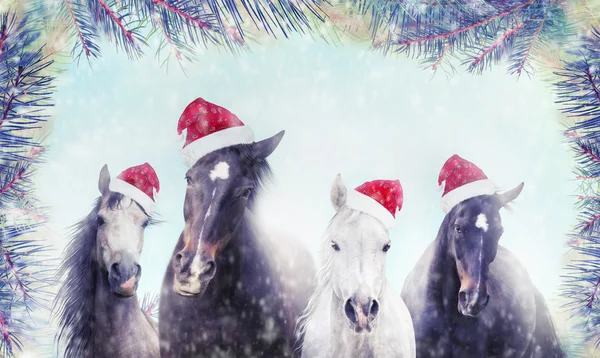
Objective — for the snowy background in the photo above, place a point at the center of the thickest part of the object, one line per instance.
(345, 110)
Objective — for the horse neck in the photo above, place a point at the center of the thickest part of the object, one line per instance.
(443, 278)
(113, 315)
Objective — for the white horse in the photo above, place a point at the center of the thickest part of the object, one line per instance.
(354, 312)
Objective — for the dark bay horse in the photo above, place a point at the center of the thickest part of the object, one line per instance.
(97, 307)
(470, 297)
(231, 289)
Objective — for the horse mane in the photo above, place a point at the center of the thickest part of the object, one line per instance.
(74, 303)
(323, 275)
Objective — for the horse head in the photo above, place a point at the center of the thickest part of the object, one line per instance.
(220, 186)
(474, 228)
(358, 245)
(120, 223)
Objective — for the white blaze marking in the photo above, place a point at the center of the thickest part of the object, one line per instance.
(480, 260)
(202, 228)
(482, 222)
(220, 171)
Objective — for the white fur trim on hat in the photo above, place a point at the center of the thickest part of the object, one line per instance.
(217, 140)
(467, 191)
(361, 202)
(123, 187)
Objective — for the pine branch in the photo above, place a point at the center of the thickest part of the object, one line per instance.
(496, 49)
(74, 13)
(578, 91)
(579, 97)
(480, 33)
(118, 25)
(25, 90)
(150, 305)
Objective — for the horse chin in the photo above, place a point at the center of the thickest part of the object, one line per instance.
(186, 289)
(361, 330)
(118, 292)
(468, 313)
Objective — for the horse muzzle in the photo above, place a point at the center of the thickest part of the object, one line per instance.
(361, 313)
(472, 303)
(123, 278)
(192, 274)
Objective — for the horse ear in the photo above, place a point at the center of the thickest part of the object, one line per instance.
(265, 147)
(338, 193)
(104, 180)
(510, 195)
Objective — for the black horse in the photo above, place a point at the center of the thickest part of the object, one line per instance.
(470, 297)
(231, 290)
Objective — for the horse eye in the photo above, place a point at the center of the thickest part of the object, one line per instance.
(386, 247)
(457, 229)
(335, 246)
(188, 180)
(100, 221)
(145, 223)
(247, 193)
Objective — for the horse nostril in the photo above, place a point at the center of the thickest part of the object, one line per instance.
(179, 263)
(114, 269)
(487, 300)
(209, 270)
(138, 270)
(374, 309)
(350, 313)
(462, 297)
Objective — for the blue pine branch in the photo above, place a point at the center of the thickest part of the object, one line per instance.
(76, 14)
(25, 91)
(578, 94)
(119, 24)
(481, 33)
(150, 305)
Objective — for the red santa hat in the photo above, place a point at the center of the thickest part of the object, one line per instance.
(378, 198)
(462, 180)
(209, 127)
(139, 184)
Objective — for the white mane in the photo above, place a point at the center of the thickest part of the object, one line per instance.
(314, 326)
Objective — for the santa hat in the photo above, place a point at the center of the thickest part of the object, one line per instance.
(378, 198)
(138, 183)
(462, 180)
(209, 127)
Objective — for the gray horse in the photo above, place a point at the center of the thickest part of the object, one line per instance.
(98, 309)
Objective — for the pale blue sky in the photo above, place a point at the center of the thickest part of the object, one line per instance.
(344, 110)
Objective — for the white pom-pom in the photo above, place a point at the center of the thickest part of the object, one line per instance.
(180, 137)
(441, 186)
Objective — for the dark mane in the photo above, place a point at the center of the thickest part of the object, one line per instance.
(74, 303)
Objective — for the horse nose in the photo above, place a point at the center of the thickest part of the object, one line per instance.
(472, 303)
(361, 312)
(182, 261)
(208, 270)
(124, 271)
(463, 297)
(124, 276)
